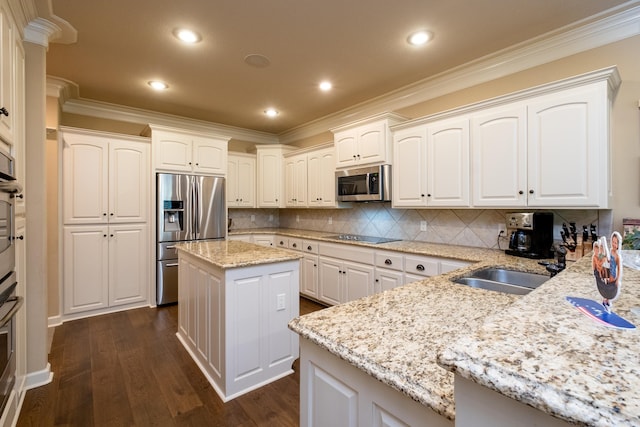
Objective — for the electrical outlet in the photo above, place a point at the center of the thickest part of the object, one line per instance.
(280, 303)
(297, 218)
(502, 229)
(270, 218)
(423, 225)
(253, 218)
(330, 220)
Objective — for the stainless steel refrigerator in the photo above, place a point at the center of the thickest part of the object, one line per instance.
(189, 207)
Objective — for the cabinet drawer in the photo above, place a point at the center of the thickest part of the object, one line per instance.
(447, 265)
(295, 244)
(347, 252)
(310, 246)
(390, 260)
(421, 266)
(281, 242)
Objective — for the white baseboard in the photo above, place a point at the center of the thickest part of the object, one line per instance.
(39, 378)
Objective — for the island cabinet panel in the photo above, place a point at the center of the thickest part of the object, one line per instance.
(336, 393)
(234, 321)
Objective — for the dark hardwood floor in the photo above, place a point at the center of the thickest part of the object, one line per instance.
(129, 369)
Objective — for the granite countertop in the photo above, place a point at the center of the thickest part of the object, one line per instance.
(227, 254)
(545, 353)
(463, 253)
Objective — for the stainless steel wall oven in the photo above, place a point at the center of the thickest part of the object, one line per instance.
(9, 302)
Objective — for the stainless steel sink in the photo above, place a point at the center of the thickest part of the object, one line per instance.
(503, 280)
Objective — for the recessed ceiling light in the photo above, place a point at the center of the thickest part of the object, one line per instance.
(158, 85)
(419, 38)
(271, 112)
(325, 86)
(187, 36)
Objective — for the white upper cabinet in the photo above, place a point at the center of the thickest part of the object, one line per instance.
(448, 163)
(544, 147)
(241, 180)
(270, 177)
(365, 142)
(296, 180)
(431, 165)
(499, 147)
(568, 150)
(105, 178)
(7, 75)
(321, 178)
(182, 151)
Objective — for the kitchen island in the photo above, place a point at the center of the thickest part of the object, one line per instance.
(234, 302)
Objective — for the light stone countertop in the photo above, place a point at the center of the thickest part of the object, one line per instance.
(227, 254)
(545, 353)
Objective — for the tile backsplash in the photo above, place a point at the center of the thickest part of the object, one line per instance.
(466, 227)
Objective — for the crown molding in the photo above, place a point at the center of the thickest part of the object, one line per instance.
(604, 29)
(137, 115)
(534, 52)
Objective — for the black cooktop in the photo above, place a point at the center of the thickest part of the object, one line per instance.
(365, 239)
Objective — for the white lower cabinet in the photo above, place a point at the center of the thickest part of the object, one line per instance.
(335, 393)
(387, 279)
(343, 281)
(105, 266)
(309, 275)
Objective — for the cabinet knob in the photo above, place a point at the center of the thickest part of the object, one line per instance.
(281, 242)
(104, 214)
(358, 155)
(16, 196)
(530, 191)
(294, 245)
(377, 280)
(190, 163)
(309, 247)
(388, 261)
(4, 111)
(420, 267)
(111, 214)
(111, 235)
(422, 195)
(354, 156)
(428, 195)
(104, 235)
(21, 237)
(520, 192)
(197, 164)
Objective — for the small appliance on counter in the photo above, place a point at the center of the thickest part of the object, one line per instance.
(530, 234)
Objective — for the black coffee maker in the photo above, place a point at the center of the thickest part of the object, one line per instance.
(530, 234)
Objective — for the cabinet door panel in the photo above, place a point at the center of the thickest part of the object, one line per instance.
(128, 264)
(565, 133)
(85, 180)
(448, 164)
(346, 149)
(498, 140)
(209, 156)
(173, 152)
(85, 270)
(247, 182)
(409, 168)
(358, 281)
(128, 182)
(233, 178)
(329, 281)
(331, 402)
(372, 144)
(387, 279)
(309, 275)
(270, 175)
(7, 77)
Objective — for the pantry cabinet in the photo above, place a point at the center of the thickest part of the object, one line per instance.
(431, 165)
(365, 142)
(106, 203)
(177, 150)
(241, 180)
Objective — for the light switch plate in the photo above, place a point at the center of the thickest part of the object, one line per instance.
(281, 302)
(423, 225)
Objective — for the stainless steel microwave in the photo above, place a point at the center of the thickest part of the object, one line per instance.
(370, 184)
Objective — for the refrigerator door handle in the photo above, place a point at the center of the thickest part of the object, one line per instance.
(196, 206)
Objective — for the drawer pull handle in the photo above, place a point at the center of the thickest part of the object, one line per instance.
(420, 267)
(171, 247)
(388, 261)
(171, 264)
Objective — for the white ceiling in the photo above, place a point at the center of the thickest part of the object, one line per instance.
(359, 45)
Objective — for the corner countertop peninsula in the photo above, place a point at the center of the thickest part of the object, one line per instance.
(536, 349)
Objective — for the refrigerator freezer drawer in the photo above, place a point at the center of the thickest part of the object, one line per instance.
(167, 251)
(167, 281)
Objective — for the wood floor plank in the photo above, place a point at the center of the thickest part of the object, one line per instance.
(129, 369)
